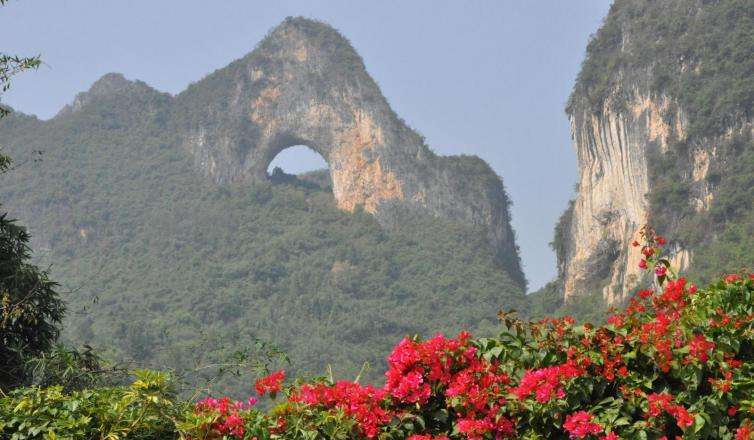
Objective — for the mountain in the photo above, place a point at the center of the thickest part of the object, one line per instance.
(174, 247)
(306, 85)
(661, 116)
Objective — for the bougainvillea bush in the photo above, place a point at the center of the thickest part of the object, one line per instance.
(677, 362)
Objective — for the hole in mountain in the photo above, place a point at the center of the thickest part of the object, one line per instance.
(299, 162)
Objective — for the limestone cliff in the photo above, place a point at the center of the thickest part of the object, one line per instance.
(305, 85)
(658, 122)
(611, 205)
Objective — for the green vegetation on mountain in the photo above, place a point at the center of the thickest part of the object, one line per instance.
(697, 51)
(163, 268)
(723, 236)
(700, 54)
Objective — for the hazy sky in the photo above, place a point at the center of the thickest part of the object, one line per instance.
(489, 78)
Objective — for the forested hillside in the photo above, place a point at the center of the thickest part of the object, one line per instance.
(162, 267)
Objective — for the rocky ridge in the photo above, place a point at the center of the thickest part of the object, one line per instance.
(305, 85)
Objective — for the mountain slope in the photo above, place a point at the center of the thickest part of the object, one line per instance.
(305, 84)
(165, 267)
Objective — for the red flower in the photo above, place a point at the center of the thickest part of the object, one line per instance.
(644, 294)
(474, 429)
(643, 264)
(227, 421)
(660, 241)
(580, 425)
(699, 347)
(270, 384)
(732, 410)
(659, 403)
(682, 417)
(546, 383)
(363, 403)
(660, 271)
(615, 320)
(744, 432)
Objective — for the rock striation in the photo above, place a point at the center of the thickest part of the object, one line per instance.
(611, 205)
(661, 121)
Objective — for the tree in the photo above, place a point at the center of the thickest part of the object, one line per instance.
(30, 310)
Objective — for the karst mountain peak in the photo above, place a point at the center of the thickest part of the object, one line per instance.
(305, 84)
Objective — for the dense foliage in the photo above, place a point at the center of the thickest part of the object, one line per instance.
(30, 310)
(697, 51)
(162, 268)
(723, 235)
(677, 362)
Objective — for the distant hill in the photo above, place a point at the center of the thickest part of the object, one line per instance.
(167, 267)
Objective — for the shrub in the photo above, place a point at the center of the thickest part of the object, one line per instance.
(30, 309)
(676, 362)
(144, 410)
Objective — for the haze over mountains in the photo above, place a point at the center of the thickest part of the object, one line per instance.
(462, 79)
(159, 218)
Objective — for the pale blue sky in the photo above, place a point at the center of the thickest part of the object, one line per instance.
(489, 78)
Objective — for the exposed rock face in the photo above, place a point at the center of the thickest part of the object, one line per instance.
(611, 205)
(661, 119)
(305, 85)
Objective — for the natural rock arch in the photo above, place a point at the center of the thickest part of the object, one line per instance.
(296, 160)
(306, 85)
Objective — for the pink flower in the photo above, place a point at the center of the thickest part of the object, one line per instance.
(270, 384)
(580, 425)
(699, 347)
(546, 383)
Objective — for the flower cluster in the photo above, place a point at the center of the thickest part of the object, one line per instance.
(663, 402)
(270, 384)
(547, 383)
(580, 425)
(226, 415)
(360, 402)
(675, 363)
(473, 387)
